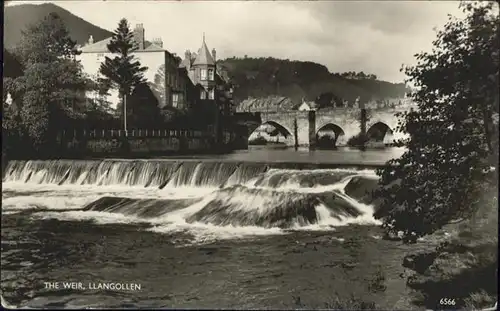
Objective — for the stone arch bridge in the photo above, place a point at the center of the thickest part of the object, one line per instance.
(304, 128)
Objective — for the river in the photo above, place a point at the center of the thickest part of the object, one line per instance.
(343, 156)
(235, 231)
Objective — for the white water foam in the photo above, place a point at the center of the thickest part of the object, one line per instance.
(64, 197)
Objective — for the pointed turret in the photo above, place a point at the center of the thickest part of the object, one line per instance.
(204, 56)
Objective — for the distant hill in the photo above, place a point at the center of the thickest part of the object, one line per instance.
(252, 77)
(297, 80)
(18, 17)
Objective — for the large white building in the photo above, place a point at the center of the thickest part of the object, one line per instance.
(175, 82)
(163, 75)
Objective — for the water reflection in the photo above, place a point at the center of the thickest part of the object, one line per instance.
(341, 155)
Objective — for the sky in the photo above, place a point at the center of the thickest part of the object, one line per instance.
(375, 37)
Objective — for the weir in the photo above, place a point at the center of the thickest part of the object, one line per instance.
(223, 193)
(146, 173)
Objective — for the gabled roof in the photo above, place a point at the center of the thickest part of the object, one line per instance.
(102, 47)
(153, 47)
(97, 47)
(186, 62)
(204, 56)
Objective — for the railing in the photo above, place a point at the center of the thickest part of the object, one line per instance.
(135, 133)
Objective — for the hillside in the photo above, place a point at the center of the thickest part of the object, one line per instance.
(262, 77)
(252, 77)
(18, 17)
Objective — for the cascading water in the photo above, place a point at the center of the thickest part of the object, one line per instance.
(131, 173)
(193, 194)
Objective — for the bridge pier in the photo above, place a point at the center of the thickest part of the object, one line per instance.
(363, 121)
(312, 130)
(296, 133)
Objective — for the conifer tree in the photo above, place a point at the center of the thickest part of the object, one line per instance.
(123, 72)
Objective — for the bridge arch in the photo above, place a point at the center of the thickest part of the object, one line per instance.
(380, 132)
(329, 135)
(270, 131)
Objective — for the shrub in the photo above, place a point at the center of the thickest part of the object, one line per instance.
(359, 141)
(465, 266)
(337, 303)
(258, 141)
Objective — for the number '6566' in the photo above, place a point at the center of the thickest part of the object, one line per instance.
(447, 302)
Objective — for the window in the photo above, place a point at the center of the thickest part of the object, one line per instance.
(100, 57)
(203, 74)
(203, 95)
(175, 100)
(211, 74)
(180, 103)
(211, 94)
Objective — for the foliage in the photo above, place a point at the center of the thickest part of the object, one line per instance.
(46, 42)
(453, 141)
(143, 108)
(262, 77)
(122, 72)
(50, 91)
(350, 303)
(328, 99)
(258, 141)
(11, 65)
(359, 140)
(326, 142)
(11, 120)
(469, 257)
(357, 75)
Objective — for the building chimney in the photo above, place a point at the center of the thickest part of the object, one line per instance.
(91, 39)
(187, 54)
(139, 36)
(214, 54)
(158, 42)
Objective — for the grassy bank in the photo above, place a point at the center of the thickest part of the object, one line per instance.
(463, 268)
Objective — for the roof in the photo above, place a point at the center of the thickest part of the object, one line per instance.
(152, 47)
(271, 103)
(204, 56)
(307, 106)
(186, 62)
(102, 47)
(97, 47)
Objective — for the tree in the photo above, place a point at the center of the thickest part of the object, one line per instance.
(45, 42)
(12, 67)
(453, 138)
(99, 111)
(122, 71)
(144, 108)
(52, 87)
